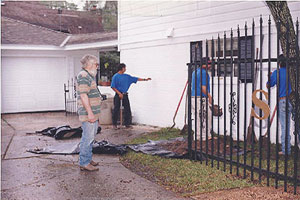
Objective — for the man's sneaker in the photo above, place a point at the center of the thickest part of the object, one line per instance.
(128, 126)
(89, 168)
(94, 163)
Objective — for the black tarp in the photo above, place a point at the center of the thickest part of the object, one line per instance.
(104, 147)
(63, 132)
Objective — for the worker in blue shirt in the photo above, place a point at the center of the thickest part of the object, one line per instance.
(120, 84)
(202, 91)
(282, 110)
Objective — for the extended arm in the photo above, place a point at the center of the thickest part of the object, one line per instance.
(144, 79)
(86, 104)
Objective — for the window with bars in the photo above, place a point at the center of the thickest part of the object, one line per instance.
(237, 49)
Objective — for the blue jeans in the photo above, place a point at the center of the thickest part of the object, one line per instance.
(89, 130)
(282, 117)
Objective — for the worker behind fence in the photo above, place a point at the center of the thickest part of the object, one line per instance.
(282, 109)
(88, 110)
(202, 91)
(120, 84)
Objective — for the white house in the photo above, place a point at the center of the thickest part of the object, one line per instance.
(36, 62)
(154, 41)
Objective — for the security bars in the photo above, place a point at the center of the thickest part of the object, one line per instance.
(229, 143)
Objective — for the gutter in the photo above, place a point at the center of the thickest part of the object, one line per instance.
(112, 44)
(105, 45)
(29, 47)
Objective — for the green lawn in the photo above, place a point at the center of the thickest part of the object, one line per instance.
(179, 175)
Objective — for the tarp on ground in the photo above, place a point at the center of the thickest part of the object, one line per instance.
(104, 147)
(62, 132)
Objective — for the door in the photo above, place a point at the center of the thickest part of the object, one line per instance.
(32, 84)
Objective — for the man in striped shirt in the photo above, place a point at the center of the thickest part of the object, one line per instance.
(88, 110)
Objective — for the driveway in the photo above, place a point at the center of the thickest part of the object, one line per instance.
(34, 176)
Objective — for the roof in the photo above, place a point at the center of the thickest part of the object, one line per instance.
(74, 22)
(92, 37)
(17, 32)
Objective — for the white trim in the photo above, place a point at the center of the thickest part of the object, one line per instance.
(28, 47)
(106, 44)
(65, 41)
(119, 23)
(32, 56)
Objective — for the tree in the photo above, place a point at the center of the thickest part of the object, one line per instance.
(287, 36)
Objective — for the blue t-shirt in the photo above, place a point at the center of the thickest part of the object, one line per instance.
(282, 81)
(199, 91)
(122, 82)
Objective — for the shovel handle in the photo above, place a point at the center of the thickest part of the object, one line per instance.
(271, 121)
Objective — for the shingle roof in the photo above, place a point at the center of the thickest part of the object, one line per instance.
(39, 14)
(17, 32)
(92, 37)
(22, 33)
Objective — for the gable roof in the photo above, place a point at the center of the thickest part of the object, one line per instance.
(40, 15)
(17, 32)
(21, 35)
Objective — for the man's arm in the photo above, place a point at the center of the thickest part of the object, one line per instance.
(144, 79)
(273, 79)
(204, 91)
(118, 92)
(86, 104)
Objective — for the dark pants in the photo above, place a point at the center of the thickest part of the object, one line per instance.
(126, 111)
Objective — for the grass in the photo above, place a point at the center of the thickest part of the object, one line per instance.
(263, 157)
(183, 176)
(162, 134)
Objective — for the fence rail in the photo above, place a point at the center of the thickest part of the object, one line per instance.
(70, 97)
(243, 141)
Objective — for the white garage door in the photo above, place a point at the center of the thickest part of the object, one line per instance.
(32, 84)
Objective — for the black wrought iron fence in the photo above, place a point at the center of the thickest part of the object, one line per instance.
(231, 132)
(70, 97)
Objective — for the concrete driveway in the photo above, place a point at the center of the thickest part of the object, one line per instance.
(34, 176)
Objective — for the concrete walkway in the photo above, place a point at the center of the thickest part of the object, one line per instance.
(32, 176)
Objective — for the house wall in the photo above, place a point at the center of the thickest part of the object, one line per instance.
(144, 27)
(34, 80)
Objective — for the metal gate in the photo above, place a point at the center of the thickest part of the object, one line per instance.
(70, 97)
(243, 142)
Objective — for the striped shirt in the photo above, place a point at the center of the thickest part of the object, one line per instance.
(86, 84)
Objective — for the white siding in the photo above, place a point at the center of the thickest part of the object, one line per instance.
(148, 52)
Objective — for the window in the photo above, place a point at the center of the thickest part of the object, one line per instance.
(196, 47)
(238, 52)
(109, 62)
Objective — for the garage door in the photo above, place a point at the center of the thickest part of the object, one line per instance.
(32, 84)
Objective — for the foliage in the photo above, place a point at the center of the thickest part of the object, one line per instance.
(60, 4)
(110, 16)
(109, 62)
